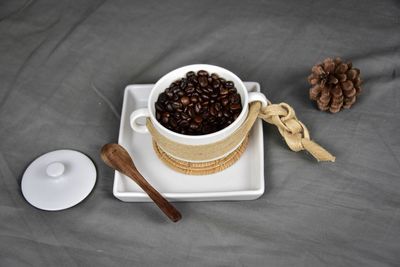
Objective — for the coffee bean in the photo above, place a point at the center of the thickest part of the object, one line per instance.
(216, 84)
(223, 91)
(165, 117)
(169, 107)
(235, 106)
(205, 97)
(198, 104)
(176, 105)
(185, 100)
(184, 124)
(232, 91)
(203, 81)
(194, 99)
(214, 76)
(213, 112)
(183, 83)
(189, 90)
(190, 112)
(229, 84)
(173, 122)
(194, 126)
(225, 101)
(202, 73)
(227, 113)
(198, 119)
(197, 108)
(159, 106)
(185, 116)
(162, 98)
(190, 74)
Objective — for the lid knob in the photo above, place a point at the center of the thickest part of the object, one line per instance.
(55, 169)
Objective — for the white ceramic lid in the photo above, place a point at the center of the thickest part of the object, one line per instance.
(58, 180)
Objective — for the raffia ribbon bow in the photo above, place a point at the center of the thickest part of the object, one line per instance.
(293, 131)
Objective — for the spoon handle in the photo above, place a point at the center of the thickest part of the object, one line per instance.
(161, 202)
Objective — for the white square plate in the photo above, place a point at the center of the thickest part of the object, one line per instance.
(244, 180)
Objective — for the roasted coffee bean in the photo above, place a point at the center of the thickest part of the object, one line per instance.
(216, 84)
(235, 106)
(205, 97)
(173, 122)
(184, 124)
(190, 112)
(232, 91)
(190, 74)
(185, 100)
(189, 90)
(227, 113)
(183, 83)
(159, 106)
(213, 112)
(198, 119)
(197, 108)
(223, 91)
(229, 84)
(194, 126)
(225, 101)
(202, 73)
(214, 76)
(169, 107)
(194, 99)
(176, 105)
(234, 98)
(185, 116)
(203, 81)
(162, 98)
(198, 104)
(165, 117)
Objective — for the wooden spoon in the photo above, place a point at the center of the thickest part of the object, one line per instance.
(116, 157)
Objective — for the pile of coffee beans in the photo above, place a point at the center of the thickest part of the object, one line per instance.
(198, 104)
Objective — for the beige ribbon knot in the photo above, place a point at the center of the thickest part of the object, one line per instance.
(294, 132)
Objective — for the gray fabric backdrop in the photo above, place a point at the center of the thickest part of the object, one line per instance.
(63, 69)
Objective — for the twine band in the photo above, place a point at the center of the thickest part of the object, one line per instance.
(294, 132)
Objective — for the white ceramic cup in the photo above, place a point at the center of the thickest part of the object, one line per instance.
(179, 73)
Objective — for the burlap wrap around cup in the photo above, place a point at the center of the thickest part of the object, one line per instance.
(187, 157)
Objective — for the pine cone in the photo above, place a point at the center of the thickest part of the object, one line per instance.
(336, 84)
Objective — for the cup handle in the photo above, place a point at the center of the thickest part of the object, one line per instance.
(257, 96)
(142, 112)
